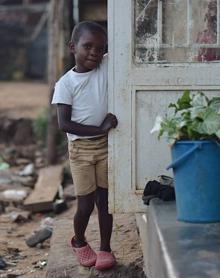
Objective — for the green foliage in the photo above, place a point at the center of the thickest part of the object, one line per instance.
(40, 126)
(195, 117)
(3, 165)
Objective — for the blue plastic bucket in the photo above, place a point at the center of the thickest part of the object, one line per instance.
(196, 168)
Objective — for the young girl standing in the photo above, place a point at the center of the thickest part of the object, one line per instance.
(82, 109)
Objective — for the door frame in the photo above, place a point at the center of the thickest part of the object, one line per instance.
(125, 79)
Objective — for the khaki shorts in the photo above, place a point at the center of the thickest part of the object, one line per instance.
(89, 164)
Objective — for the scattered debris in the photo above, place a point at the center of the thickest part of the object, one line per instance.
(22, 161)
(60, 192)
(19, 217)
(28, 170)
(2, 208)
(41, 264)
(45, 232)
(47, 223)
(5, 178)
(27, 181)
(69, 193)
(59, 206)
(13, 274)
(9, 155)
(39, 237)
(40, 162)
(23, 157)
(3, 264)
(14, 195)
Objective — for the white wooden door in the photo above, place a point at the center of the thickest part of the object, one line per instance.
(157, 49)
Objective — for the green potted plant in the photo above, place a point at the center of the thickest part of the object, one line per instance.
(192, 128)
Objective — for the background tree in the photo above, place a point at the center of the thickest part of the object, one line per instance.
(59, 24)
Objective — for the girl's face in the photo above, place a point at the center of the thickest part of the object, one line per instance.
(88, 51)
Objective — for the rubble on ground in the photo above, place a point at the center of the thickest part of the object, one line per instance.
(25, 233)
(21, 162)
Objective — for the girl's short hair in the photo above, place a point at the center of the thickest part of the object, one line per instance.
(90, 26)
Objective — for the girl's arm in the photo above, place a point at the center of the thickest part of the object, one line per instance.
(66, 125)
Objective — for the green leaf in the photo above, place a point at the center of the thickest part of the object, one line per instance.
(172, 105)
(218, 134)
(195, 118)
(200, 100)
(184, 101)
(215, 104)
(211, 122)
(197, 112)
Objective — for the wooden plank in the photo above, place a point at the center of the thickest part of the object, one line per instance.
(45, 190)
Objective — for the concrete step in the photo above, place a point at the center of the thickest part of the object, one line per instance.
(174, 249)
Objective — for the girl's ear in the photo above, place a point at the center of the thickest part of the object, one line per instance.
(72, 47)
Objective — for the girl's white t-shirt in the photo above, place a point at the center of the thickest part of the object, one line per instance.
(86, 93)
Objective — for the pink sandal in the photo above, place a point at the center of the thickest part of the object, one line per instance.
(85, 255)
(105, 260)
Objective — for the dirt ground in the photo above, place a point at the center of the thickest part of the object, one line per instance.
(23, 99)
(27, 100)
